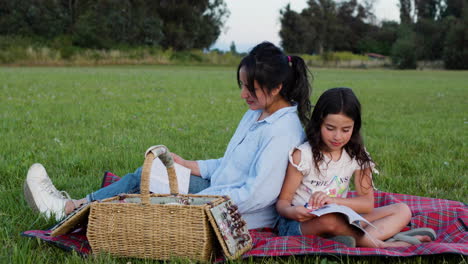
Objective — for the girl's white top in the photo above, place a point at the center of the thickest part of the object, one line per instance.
(333, 177)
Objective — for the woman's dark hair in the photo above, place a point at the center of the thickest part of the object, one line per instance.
(270, 67)
(337, 101)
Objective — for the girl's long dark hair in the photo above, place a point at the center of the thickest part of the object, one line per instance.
(336, 101)
(270, 67)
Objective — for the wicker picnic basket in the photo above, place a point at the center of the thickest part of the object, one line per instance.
(157, 226)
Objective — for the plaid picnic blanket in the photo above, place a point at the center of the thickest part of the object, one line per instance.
(448, 218)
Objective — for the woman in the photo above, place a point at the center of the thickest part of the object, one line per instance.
(277, 91)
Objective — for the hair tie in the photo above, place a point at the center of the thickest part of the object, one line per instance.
(289, 61)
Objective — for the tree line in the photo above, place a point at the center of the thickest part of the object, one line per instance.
(429, 30)
(175, 24)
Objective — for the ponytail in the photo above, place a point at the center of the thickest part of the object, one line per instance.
(270, 67)
(297, 88)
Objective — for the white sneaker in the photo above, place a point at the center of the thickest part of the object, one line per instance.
(41, 194)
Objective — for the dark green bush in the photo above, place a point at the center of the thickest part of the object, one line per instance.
(403, 50)
(185, 57)
(14, 48)
(64, 45)
(455, 53)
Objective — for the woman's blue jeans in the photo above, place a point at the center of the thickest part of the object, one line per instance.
(130, 183)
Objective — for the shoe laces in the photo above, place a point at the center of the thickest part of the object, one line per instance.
(64, 194)
(49, 187)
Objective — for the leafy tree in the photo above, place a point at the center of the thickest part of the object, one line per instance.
(191, 24)
(111, 22)
(232, 48)
(295, 33)
(321, 15)
(326, 26)
(405, 12)
(403, 55)
(430, 24)
(453, 8)
(429, 39)
(178, 24)
(455, 53)
(352, 27)
(380, 39)
(428, 9)
(72, 10)
(42, 18)
(11, 17)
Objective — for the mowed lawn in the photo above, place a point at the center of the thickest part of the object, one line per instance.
(80, 122)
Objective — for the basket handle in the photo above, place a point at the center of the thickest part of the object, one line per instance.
(164, 155)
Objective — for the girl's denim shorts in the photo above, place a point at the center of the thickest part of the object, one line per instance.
(288, 227)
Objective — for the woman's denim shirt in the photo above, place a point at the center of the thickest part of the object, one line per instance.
(254, 164)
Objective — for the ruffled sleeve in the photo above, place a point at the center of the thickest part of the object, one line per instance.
(306, 158)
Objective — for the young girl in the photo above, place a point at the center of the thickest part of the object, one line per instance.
(276, 90)
(320, 171)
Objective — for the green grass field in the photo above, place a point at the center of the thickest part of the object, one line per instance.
(80, 122)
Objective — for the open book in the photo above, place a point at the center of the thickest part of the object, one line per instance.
(159, 181)
(353, 217)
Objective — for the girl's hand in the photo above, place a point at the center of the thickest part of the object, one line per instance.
(301, 214)
(319, 199)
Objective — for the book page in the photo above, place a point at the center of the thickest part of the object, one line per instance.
(335, 208)
(353, 217)
(159, 180)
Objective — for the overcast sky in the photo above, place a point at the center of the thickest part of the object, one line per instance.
(253, 21)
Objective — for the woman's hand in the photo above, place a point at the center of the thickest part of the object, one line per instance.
(319, 199)
(178, 159)
(191, 164)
